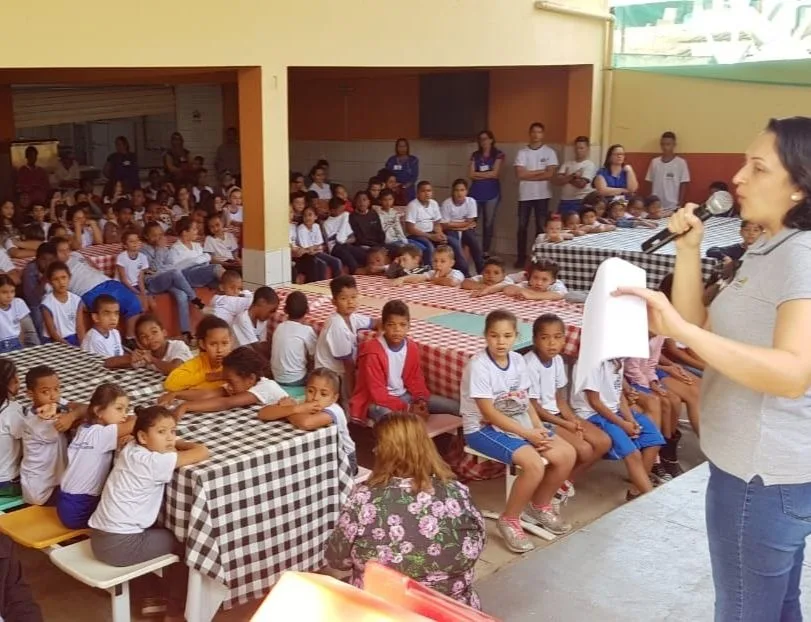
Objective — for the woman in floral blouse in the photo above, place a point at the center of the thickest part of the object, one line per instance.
(411, 515)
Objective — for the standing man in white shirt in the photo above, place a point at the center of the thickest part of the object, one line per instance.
(535, 165)
(668, 174)
(575, 178)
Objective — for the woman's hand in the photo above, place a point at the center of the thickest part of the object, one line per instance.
(663, 319)
(689, 227)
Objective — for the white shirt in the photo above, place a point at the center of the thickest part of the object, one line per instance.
(132, 267)
(509, 389)
(605, 380)
(451, 212)
(43, 458)
(234, 310)
(176, 350)
(181, 256)
(11, 433)
(339, 419)
(666, 178)
(63, 313)
(83, 276)
(507, 280)
(90, 457)
(10, 319)
(235, 215)
(535, 160)
(396, 359)
(309, 237)
(558, 286)
(268, 391)
(96, 343)
(324, 192)
(293, 343)
(292, 234)
(221, 248)
(545, 381)
(587, 170)
(133, 494)
(337, 229)
(338, 341)
(423, 216)
(455, 275)
(6, 265)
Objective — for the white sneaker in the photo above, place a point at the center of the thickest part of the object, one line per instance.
(514, 537)
(549, 520)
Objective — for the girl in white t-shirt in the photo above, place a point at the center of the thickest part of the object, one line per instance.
(90, 454)
(131, 267)
(11, 430)
(122, 527)
(245, 385)
(62, 310)
(234, 207)
(221, 244)
(12, 311)
(500, 422)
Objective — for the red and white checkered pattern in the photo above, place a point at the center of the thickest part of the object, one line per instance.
(102, 256)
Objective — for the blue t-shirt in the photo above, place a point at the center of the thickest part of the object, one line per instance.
(485, 189)
(406, 171)
(614, 181)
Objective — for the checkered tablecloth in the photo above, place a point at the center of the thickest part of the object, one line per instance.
(265, 501)
(580, 258)
(81, 372)
(102, 256)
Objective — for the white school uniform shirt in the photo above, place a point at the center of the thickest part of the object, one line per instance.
(268, 391)
(175, 350)
(545, 381)
(63, 313)
(509, 388)
(535, 160)
(234, 310)
(83, 276)
(133, 494)
(337, 229)
(182, 257)
(588, 170)
(293, 343)
(86, 238)
(396, 360)
(90, 457)
(309, 237)
(107, 346)
(507, 280)
(236, 216)
(292, 234)
(455, 275)
(558, 286)
(11, 433)
(451, 212)
(605, 380)
(423, 216)
(132, 267)
(223, 249)
(43, 460)
(665, 179)
(339, 419)
(338, 341)
(324, 193)
(10, 319)
(6, 265)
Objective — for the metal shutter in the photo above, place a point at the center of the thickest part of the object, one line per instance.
(35, 107)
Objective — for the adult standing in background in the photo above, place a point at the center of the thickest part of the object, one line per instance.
(616, 178)
(177, 161)
(756, 397)
(535, 165)
(122, 165)
(228, 157)
(575, 178)
(668, 174)
(406, 168)
(485, 187)
(33, 180)
(67, 173)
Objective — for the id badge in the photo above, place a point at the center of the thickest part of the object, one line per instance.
(398, 167)
(484, 168)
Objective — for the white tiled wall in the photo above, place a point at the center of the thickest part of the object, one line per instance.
(352, 163)
(198, 108)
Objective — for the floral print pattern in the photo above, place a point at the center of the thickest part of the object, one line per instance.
(434, 538)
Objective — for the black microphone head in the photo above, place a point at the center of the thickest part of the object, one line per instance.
(719, 203)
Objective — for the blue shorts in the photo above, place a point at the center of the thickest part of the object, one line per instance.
(640, 388)
(623, 445)
(495, 444)
(71, 339)
(661, 373)
(10, 345)
(567, 207)
(74, 510)
(128, 302)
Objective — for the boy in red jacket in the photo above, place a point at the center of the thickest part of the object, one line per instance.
(389, 375)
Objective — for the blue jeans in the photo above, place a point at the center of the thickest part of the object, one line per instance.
(353, 257)
(540, 207)
(426, 246)
(459, 256)
(333, 263)
(175, 283)
(487, 218)
(436, 405)
(470, 240)
(757, 539)
(203, 275)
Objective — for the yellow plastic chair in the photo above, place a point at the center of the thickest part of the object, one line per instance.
(37, 527)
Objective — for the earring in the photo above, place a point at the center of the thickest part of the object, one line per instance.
(796, 197)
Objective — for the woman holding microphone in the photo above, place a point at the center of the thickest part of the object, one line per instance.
(756, 404)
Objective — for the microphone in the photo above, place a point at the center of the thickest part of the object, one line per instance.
(719, 203)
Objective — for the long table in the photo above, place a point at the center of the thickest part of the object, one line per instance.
(579, 258)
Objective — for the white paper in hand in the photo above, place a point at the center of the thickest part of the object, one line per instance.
(613, 326)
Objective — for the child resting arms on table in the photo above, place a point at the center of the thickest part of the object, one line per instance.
(542, 282)
(492, 279)
(204, 371)
(154, 350)
(443, 272)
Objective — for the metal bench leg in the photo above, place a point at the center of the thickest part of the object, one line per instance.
(120, 595)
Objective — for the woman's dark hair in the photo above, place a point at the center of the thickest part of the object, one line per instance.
(543, 265)
(124, 141)
(794, 149)
(209, 323)
(358, 195)
(609, 153)
(322, 163)
(456, 182)
(296, 305)
(407, 144)
(8, 371)
(245, 362)
(146, 417)
(489, 135)
(500, 315)
(104, 395)
(314, 169)
(545, 320)
(395, 307)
